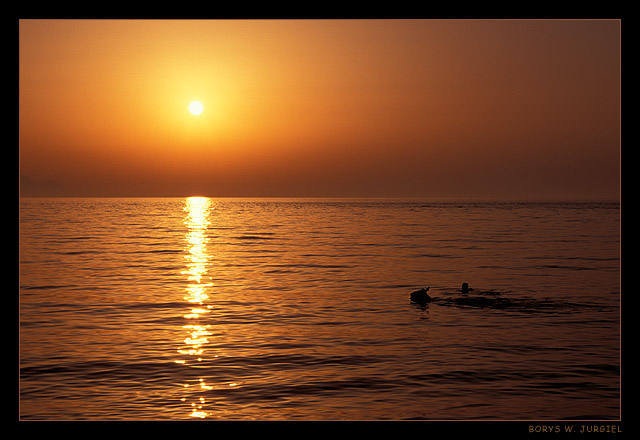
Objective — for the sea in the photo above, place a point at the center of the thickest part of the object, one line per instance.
(299, 309)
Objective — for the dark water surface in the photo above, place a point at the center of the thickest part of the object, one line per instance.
(296, 309)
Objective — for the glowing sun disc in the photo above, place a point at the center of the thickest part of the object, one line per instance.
(196, 107)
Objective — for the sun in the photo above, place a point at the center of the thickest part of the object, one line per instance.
(195, 107)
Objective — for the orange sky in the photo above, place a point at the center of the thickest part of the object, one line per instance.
(390, 108)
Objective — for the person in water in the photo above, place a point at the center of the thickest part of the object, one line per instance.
(466, 288)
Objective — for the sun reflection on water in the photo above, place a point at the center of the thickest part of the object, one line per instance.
(197, 221)
(197, 333)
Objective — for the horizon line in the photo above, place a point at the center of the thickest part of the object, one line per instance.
(370, 197)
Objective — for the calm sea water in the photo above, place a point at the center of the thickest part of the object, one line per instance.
(295, 309)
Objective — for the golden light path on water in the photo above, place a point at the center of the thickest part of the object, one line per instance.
(197, 220)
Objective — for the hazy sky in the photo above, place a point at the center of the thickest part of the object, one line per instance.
(388, 108)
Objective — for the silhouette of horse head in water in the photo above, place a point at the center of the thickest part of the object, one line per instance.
(420, 296)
